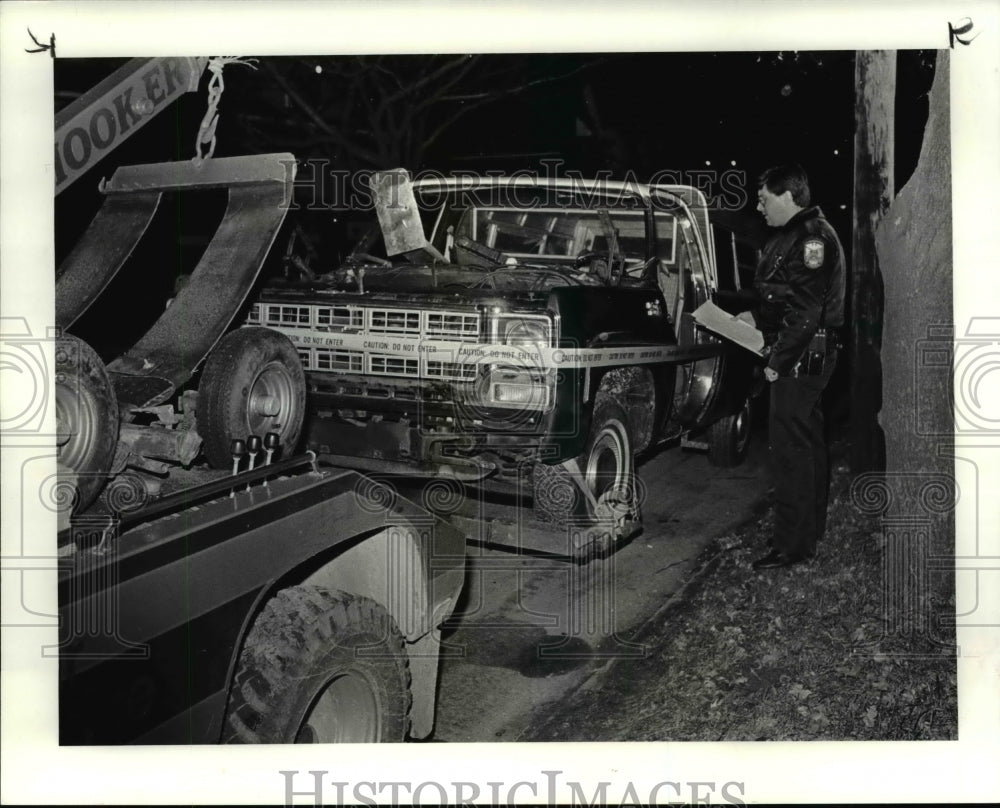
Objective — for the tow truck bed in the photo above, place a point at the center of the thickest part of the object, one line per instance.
(155, 603)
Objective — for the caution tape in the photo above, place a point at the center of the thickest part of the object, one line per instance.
(531, 358)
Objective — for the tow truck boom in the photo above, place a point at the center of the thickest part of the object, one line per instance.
(103, 117)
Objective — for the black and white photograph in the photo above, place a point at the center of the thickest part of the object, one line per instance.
(621, 399)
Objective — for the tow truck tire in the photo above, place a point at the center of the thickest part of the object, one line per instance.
(320, 666)
(253, 383)
(86, 417)
(729, 438)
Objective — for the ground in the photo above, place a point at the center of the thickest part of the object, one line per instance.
(722, 653)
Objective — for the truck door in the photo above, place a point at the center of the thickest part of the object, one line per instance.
(684, 273)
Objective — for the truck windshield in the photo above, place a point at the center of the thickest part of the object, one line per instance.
(553, 232)
(532, 224)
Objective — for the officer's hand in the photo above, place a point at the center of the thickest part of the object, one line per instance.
(770, 374)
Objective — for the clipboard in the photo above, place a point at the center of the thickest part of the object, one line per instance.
(730, 326)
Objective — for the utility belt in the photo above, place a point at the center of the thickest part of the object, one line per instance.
(818, 355)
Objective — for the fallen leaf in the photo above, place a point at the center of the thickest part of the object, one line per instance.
(799, 691)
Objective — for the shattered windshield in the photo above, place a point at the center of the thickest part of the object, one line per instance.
(553, 232)
(531, 226)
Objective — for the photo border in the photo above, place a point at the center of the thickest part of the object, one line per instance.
(35, 769)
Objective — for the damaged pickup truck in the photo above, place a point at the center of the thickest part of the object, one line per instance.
(530, 337)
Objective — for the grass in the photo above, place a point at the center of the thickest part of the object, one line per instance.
(818, 651)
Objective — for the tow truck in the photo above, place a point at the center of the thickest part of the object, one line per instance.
(256, 597)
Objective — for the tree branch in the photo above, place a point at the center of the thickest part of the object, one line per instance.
(462, 63)
(522, 87)
(311, 113)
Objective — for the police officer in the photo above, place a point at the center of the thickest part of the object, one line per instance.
(800, 292)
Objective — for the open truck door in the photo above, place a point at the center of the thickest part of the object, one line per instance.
(686, 276)
(713, 395)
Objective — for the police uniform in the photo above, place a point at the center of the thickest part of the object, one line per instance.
(800, 283)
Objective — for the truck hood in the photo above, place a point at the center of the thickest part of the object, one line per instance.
(525, 285)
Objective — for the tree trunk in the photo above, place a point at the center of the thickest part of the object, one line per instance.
(914, 249)
(874, 112)
(914, 245)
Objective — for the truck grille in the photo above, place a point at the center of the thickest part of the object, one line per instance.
(280, 315)
(376, 322)
(326, 359)
(447, 325)
(395, 322)
(339, 318)
(453, 371)
(463, 327)
(346, 361)
(393, 366)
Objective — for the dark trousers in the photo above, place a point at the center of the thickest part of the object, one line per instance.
(799, 462)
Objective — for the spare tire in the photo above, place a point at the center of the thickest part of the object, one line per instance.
(253, 383)
(86, 417)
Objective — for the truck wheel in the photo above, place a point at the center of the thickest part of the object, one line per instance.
(606, 467)
(608, 464)
(729, 438)
(321, 666)
(86, 416)
(252, 384)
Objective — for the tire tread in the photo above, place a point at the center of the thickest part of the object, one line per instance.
(220, 391)
(295, 624)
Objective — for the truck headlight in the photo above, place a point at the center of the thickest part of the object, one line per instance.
(524, 331)
(513, 387)
(528, 394)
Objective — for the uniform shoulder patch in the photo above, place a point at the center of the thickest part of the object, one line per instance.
(813, 253)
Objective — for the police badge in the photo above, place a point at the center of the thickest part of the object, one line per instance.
(813, 253)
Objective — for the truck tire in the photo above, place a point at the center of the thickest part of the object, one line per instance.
(252, 384)
(606, 467)
(608, 464)
(86, 417)
(729, 438)
(320, 666)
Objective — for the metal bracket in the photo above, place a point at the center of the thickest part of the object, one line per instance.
(219, 172)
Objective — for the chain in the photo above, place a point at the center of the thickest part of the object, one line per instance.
(216, 85)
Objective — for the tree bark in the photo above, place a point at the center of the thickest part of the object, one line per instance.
(915, 252)
(914, 244)
(874, 107)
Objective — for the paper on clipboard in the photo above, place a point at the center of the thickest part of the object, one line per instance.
(730, 326)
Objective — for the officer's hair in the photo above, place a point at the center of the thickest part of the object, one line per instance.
(791, 177)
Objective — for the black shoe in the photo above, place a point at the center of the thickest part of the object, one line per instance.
(776, 558)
